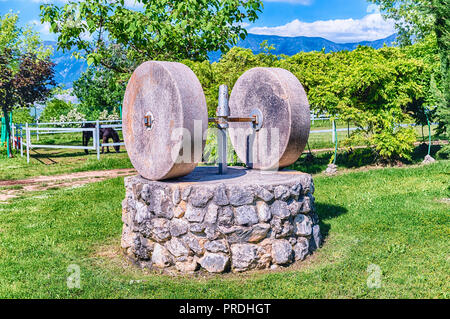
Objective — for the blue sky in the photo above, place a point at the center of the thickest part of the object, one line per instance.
(335, 20)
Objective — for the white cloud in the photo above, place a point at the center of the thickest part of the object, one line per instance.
(371, 27)
(373, 8)
(301, 2)
(43, 28)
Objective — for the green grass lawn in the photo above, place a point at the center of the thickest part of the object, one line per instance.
(395, 218)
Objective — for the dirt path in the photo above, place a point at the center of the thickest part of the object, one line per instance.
(13, 188)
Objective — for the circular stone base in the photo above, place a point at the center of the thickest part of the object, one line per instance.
(243, 220)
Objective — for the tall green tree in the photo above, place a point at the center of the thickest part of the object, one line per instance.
(163, 30)
(26, 72)
(416, 19)
(99, 89)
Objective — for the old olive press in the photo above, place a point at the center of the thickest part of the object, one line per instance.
(177, 216)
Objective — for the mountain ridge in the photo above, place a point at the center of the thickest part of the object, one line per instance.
(68, 69)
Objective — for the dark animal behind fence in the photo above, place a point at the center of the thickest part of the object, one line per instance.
(105, 135)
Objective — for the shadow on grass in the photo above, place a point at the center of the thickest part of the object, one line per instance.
(327, 212)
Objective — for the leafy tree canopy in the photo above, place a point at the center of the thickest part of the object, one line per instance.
(417, 19)
(375, 89)
(54, 109)
(99, 89)
(161, 30)
(26, 73)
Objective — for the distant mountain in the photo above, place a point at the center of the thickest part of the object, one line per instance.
(293, 45)
(68, 69)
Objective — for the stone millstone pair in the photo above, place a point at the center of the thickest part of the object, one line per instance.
(170, 96)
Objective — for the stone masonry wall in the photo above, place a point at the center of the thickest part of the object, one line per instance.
(219, 226)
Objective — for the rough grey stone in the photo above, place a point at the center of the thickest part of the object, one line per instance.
(246, 215)
(145, 228)
(296, 189)
(301, 248)
(214, 262)
(196, 227)
(194, 243)
(307, 204)
(216, 246)
(179, 210)
(186, 192)
(316, 238)
(280, 209)
(158, 201)
(127, 237)
(302, 225)
(176, 196)
(264, 194)
(142, 212)
(281, 228)
(314, 218)
(178, 227)
(212, 232)
(161, 257)
(194, 214)
(200, 196)
(263, 209)
(292, 240)
(258, 232)
(236, 234)
(225, 216)
(188, 266)
(211, 213)
(239, 196)
(243, 256)
(294, 207)
(220, 196)
(281, 251)
(177, 247)
(428, 160)
(143, 247)
(282, 192)
(331, 169)
(160, 229)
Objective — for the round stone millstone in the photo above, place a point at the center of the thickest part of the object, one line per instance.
(244, 220)
(280, 97)
(171, 96)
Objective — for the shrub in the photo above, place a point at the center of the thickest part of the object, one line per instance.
(444, 152)
(54, 109)
(394, 144)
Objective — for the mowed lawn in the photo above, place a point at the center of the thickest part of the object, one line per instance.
(397, 219)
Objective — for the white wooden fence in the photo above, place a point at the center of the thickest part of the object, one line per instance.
(36, 129)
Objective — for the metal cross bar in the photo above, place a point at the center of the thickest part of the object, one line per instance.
(223, 119)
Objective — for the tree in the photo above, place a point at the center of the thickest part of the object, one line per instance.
(26, 73)
(99, 89)
(417, 19)
(161, 30)
(54, 109)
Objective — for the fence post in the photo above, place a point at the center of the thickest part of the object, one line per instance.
(37, 131)
(97, 134)
(27, 133)
(21, 140)
(333, 134)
